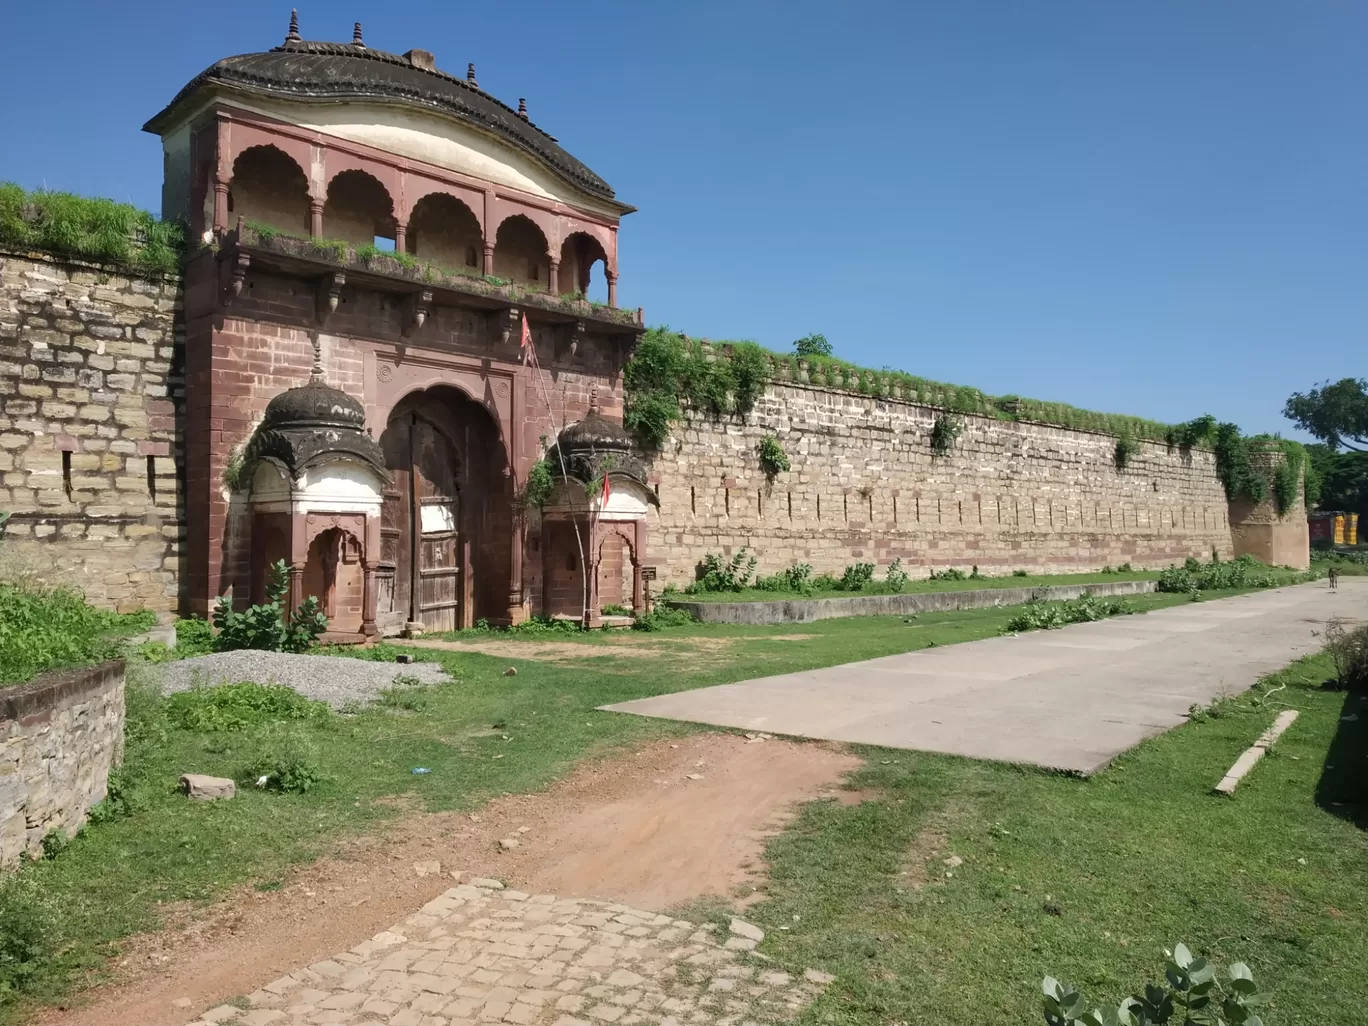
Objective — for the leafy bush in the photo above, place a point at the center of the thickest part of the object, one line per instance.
(773, 459)
(1193, 995)
(29, 940)
(662, 617)
(286, 760)
(943, 434)
(263, 627)
(539, 485)
(1126, 448)
(194, 636)
(1194, 576)
(1023, 573)
(1348, 648)
(210, 710)
(716, 573)
(812, 345)
(950, 573)
(856, 576)
(613, 609)
(1050, 616)
(896, 577)
(51, 628)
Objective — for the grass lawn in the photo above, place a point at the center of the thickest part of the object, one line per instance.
(489, 734)
(916, 586)
(1089, 880)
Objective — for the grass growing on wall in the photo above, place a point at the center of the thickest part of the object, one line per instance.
(100, 231)
(53, 628)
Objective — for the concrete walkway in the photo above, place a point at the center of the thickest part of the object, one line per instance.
(1069, 699)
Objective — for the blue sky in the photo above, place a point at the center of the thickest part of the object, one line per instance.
(1154, 208)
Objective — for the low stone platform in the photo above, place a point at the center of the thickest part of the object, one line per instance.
(480, 953)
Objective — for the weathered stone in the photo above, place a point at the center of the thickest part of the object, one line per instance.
(747, 930)
(206, 788)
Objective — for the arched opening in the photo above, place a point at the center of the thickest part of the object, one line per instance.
(358, 210)
(334, 575)
(521, 253)
(444, 230)
(446, 520)
(268, 187)
(615, 573)
(582, 266)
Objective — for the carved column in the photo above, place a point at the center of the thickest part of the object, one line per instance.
(545, 566)
(489, 258)
(400, 236)
(316, 218)
(296, 593)
(639, 604)
(612, 288)
(515, 569)
(220, 203)
(593, 616)
(555, 277)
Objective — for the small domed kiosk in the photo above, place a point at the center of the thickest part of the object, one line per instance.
(317, 482)
(596, 515)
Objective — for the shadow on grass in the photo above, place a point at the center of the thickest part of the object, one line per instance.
(1343, 786)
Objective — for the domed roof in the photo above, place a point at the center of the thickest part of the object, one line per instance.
(594, 431)
(315, 405)
(313, 71)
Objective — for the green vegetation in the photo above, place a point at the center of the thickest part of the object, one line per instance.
(1050, 616)
(1239, 476)
(798, 582)
(53, 628)
(98, 231)
(264, 627)
(1335, 412)
(1245, 572)
(943, 434)
(1089, 880)
(1347, 646)
(1126, 448)
(812, 345)
(540, 484)
(1340, 479)
(773, 459)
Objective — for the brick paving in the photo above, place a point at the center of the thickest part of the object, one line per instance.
(480, 953)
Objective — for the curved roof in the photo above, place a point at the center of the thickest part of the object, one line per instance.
(305, 70)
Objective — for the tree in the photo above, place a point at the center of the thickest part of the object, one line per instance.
(812, 345)
(1336, 413)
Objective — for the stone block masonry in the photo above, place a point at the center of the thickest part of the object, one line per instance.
(89, 447)
(60, 734)
(865, 486)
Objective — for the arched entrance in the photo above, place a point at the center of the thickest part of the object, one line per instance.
(446, 528)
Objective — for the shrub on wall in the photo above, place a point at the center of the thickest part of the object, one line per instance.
(773, 459)
(1126, 448)
(943, 434)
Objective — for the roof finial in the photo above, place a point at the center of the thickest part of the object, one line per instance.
(356, 35)
(593, 399)
(470, 74)
(522, 107)
(316, 374)
(293, 35)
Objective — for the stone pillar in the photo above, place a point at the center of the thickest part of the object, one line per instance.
(545, 566)
(400, 236)
(220, 203)
(612, 288)
(555, 277)
(489, 258)
(316, 218)
(296, 592)
(368, 599)
(593, 616)
(1258, 529)
(638, 561)
(515, 569)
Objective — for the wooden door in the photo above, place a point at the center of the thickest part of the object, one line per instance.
(421, 523)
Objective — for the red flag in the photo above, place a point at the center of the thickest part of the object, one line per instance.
(607, 491)
(526, 344)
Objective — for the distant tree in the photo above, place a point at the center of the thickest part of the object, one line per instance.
(1336, 413)
(812, 345)
(1342, 477)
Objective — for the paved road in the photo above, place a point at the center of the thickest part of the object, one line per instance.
(1070, 699)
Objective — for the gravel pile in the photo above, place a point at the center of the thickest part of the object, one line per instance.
(336, 680)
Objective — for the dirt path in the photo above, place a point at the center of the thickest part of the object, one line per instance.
(638, 829)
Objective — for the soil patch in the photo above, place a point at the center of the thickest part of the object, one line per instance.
(669, 823)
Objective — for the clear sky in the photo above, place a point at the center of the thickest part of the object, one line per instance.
(1155, 208)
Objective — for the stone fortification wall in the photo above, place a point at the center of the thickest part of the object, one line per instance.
(864, 485)
(60, 734)
(88, 440)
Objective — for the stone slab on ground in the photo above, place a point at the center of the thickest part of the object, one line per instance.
(489, 955)
(337, 680)
(1070, 699)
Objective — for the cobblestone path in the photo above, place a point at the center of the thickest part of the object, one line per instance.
(479, 953)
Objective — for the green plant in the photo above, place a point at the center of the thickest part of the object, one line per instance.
(896, 576)
(232, 476)
(1023, 573)
(1193, 994)
(1126, 448)
(773, 459)
(856, 576)
(943, 434)
(223, 707)
(540, 484)
(950, 573)
(51, 628)
(407, 692)
(1049, 616)
(794, 578)
(263, 626)
(29, 941)
(1124, 568)
(97, 230)
(716, 573)
(285, 761)
(662, 618)
(1194, 576)
(194, 636)
(1348, 648)
(1335, 412)
(614, 609)
(812, 345)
